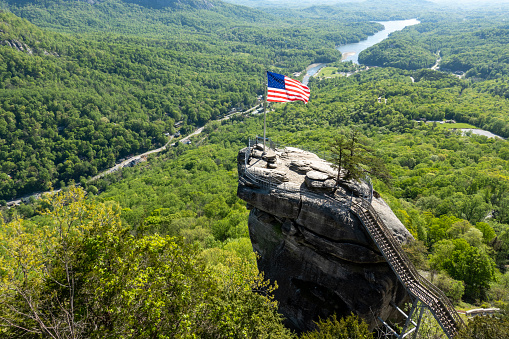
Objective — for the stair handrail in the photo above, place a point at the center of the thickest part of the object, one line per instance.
(414, 274)
(272, 183)
(411, 267)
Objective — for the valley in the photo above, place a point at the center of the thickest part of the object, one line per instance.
(163, 248)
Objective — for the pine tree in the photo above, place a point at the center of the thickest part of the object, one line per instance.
(354, 159)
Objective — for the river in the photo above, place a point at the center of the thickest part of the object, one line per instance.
(477, 131)
(351, 51)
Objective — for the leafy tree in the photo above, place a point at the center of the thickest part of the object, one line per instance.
(339, 152)
(487, 231)
(417, 253)
(466, 263)
(82, 274)
(485, 328)
(453, 289)
(351, 327)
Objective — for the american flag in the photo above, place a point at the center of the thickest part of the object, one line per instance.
(281, 88)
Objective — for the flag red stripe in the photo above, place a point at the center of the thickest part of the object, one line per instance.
(289, 81)
(286, 98)
(294, 91)
(277, 94)
(290, 92)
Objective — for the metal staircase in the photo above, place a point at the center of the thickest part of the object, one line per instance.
(418, 287)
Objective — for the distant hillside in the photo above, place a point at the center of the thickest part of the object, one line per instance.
(145, 17)
(197, 4)
(380, 8)
(288, 3)
(345, 11)
(468, 44)
(70, 106)
(201, 4)
(119, 75)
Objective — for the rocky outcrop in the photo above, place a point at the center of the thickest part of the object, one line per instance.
(17, 45)
(23, 47)
(317, 250)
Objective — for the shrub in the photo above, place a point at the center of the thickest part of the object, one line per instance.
(351, 327)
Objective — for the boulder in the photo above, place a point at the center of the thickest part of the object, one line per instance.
(315, 175)
(270, 156)
(315, 247)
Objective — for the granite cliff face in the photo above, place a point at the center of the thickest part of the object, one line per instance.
(317, 250)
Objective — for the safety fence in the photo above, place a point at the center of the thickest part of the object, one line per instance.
(415, 284)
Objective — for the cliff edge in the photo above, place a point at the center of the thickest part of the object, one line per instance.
(311, 243)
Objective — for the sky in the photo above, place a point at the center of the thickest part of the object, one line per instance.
(307, 3)
(480, 2)
(444, 2)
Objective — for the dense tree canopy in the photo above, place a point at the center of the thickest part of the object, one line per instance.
(82, 274)
(464, 43)
(117, 77)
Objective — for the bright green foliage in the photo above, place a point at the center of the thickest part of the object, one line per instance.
(485, 328)
(242, 311)
(179, 194)
(85, 275)
(499, 290)
(464, 262)
(41, 273)
(438, 228)
(351, 327)
(453, 289)
(488, 233)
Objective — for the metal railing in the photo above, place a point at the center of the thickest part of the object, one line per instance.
(416, 285)
(266, 180)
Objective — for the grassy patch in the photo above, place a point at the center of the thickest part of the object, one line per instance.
(327, 71)
(333, 72)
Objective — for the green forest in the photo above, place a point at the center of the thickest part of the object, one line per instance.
(162, 249)
(467, 44)
(73, 105)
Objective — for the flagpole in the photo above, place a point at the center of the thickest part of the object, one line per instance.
(265, 114)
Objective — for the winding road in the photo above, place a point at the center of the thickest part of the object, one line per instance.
(435, 67)
(37, 195)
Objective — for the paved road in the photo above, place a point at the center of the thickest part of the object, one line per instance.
(131, 159)
(37, 195)
(438, 61)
